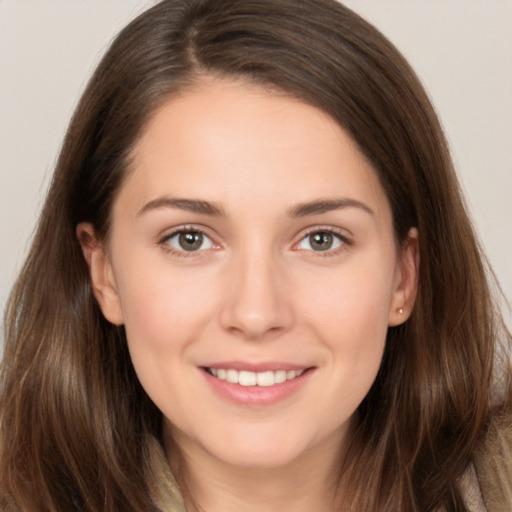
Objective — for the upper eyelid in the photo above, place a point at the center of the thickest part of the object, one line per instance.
(185, 228)
(341, 232)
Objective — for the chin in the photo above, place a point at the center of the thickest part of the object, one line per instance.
(258, 457)
(260, 448)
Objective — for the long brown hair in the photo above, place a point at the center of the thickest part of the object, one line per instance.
(73, 416)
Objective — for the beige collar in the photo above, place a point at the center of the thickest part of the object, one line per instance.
(165, 490)
(471, 491)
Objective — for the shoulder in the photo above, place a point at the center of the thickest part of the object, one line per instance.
(493, 464)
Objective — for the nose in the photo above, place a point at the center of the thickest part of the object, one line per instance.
(258, 302)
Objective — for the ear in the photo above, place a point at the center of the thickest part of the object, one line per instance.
(100, 273)
(406, 284)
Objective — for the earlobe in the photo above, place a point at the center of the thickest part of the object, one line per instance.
(100, 273)
(404, 295)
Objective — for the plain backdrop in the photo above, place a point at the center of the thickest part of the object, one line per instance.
(461, 49)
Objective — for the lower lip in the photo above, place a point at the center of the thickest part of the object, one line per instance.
(257, 395)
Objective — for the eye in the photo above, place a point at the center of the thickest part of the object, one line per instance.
(321, 241)
(189, 241)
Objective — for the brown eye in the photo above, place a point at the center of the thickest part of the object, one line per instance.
(321, 241)
(189, 241)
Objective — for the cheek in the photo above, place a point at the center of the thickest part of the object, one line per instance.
(350, 316)
(352, 327)
(354, 298)
(164, 313)
(163, 310)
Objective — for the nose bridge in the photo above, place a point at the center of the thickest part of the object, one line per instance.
(257, 302)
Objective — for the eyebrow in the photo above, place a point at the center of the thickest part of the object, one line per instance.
(209, 208)
(189, 205)
(327, 205)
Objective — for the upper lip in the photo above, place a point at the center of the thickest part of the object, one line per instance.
(257, 367)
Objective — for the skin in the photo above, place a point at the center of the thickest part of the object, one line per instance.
(256, 290)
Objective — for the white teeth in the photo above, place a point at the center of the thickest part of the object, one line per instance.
(280, 376)
(247, 378)
(263, 379)
(232, 376)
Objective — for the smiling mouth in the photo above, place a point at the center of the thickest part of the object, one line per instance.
(247, 378)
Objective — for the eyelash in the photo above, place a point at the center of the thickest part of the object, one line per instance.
(345, 242)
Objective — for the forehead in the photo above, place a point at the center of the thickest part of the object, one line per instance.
(232, 140)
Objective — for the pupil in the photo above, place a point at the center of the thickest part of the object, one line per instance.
(191, 241)
(321, 241)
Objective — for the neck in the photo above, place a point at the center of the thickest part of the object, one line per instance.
(308, 483)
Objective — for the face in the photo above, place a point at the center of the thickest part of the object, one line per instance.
(253, 263)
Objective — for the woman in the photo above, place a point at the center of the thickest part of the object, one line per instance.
(254, 285)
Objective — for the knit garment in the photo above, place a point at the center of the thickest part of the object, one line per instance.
(493, 464)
